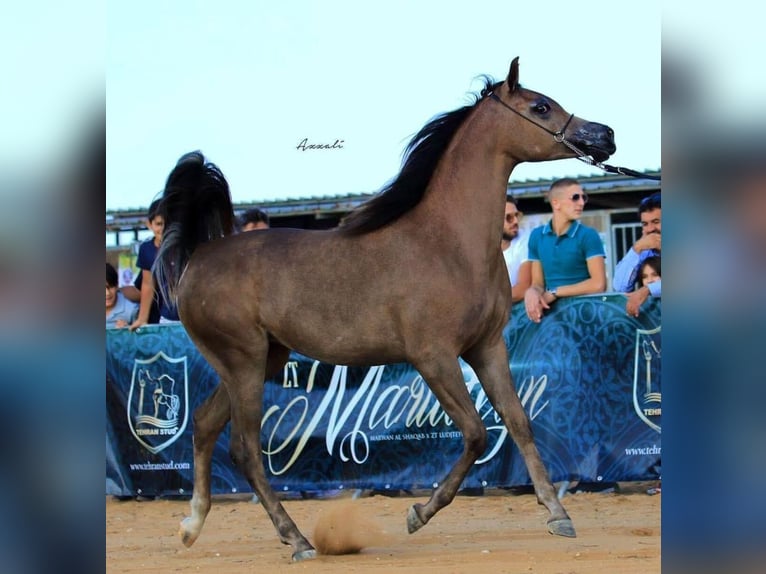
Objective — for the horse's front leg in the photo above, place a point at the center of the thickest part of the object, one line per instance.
(445, 379)
(490, 363)
(209, 421)
(246, 392)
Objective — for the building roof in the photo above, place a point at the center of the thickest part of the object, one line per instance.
(332, 205)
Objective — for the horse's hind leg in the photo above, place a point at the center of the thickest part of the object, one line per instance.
(491, 366)
(244, 377)
(445, 379)
(210, 418)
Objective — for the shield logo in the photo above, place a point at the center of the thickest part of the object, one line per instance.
(647, 395)
(158, 401)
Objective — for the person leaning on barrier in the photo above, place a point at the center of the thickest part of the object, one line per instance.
(568, 258)
(515, 250)
(648, 245)
(147, 253)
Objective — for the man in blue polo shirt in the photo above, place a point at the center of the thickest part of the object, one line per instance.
(568, 258)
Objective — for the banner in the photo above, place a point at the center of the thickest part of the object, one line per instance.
(588, 376)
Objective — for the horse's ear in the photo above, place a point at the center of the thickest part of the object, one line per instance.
(513, 75)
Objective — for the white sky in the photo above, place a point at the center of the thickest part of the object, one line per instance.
(246, 81)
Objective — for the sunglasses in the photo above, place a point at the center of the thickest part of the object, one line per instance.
(577, 196)
(509, 217)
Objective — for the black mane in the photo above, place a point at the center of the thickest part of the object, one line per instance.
(421, 156)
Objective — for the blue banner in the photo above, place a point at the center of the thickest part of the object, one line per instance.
(588, 376)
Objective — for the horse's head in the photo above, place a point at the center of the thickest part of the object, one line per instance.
(549, 131)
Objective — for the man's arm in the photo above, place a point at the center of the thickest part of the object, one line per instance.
(637, 298)
(131, 293)
(596, 283)
(534, 299)
(623, 271)
(147, 296)
(523, 281)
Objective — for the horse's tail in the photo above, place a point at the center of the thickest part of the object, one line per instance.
(196, 206)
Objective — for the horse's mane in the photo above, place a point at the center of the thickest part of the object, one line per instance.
(421, 156)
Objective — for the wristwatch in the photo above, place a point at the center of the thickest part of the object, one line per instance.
(553, 292)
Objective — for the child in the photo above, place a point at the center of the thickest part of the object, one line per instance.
(119, 311)
(649, 271)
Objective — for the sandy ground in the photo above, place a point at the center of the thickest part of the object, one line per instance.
(500, 532)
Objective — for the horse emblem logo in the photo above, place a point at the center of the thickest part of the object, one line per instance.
(158, 401)
(647, 395)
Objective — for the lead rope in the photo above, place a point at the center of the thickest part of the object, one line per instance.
(605, 166)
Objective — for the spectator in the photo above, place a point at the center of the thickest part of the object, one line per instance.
(649, 271)
(119, 311)
(515, 252)
(254, 219)
(147, 253)
(649, 244)
(568, 258)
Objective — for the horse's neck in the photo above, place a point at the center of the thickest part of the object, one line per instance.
(466, 195)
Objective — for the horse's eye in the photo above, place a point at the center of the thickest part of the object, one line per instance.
(542, 108)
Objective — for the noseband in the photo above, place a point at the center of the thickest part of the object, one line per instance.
(559, 137)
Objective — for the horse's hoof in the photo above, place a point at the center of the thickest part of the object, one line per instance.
(414, 523)
(304, 555)
(562, 527)
(187, 537)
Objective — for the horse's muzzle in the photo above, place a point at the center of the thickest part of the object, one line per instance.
(596, 140)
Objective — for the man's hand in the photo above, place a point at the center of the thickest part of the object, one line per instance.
(137, 324)
(635, 300)
(535, 304)
(649, 241)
